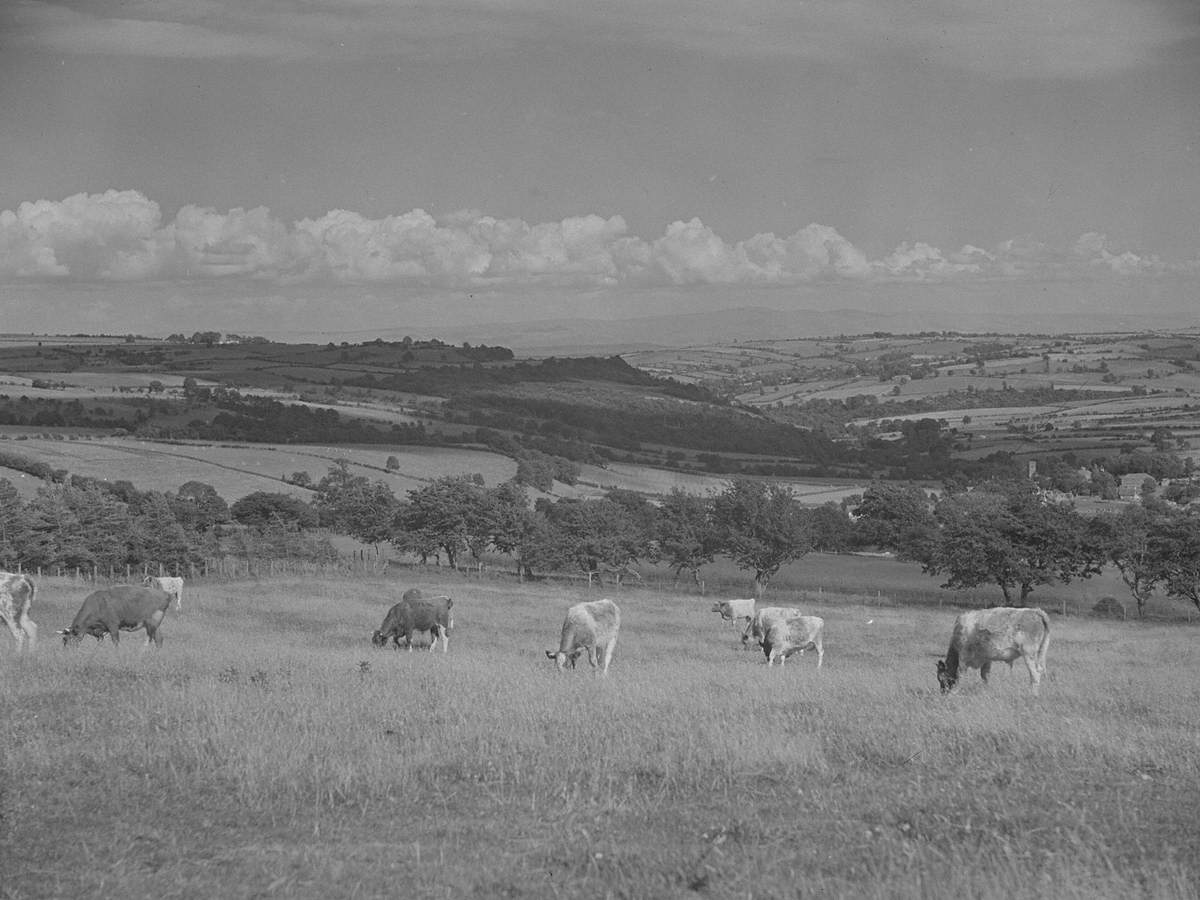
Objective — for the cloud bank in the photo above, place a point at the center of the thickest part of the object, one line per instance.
(122, 236)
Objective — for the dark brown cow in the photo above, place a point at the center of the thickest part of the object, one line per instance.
(124, 607)
(16, 598)
(1004, 634)
(416, 612)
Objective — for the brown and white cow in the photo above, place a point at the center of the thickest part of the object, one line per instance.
(782, 631)
(749, 632)
(590, 627)
(173, 586)
(416, 612)
(735, 610)
(1000, 634)
(123, 607)
(16, 598)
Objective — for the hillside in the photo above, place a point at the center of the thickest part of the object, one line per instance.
(826, 414)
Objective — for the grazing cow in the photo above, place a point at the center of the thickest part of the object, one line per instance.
(733, 610)
(591, 626)
(16, 599)
(173, 586)
(782, 631)
(749, 632)
(124, 607)
(984, 636)
(416, 612)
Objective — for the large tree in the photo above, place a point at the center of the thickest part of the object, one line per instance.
(595, 535)
(158, 537)
(451, 515)
(1176, 546)
(511, 518)
(357, 506)
(1130, 539)
(198, 507)
(264, 509)
(78, 527)
(897, 518)
(686, 534)
(762, 528)
(14, 527)
(1008, 535)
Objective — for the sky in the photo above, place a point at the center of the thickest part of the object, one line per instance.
(299, 168)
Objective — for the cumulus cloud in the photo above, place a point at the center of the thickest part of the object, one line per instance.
(1094, 249)
(120, 236)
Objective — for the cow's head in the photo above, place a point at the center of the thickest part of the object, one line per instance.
(752, 632)
(70, 636)
(562, 657)
(378, 638)
(716, 607)
(946, 678)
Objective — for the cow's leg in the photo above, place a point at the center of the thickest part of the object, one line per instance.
(179, 599)
(18, 633)
(591, 652)
(1035, 672)
(445, 636)
(820, 652)
(608, 652)
(30, 628)
(152, 626)
(985, 670)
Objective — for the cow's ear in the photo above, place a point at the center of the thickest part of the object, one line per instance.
(550, 654)
(941, 667)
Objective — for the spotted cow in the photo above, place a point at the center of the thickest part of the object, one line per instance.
(590, 627)
(16, 598)
(1000, 634)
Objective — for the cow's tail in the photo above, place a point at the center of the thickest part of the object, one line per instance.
(1044, 644)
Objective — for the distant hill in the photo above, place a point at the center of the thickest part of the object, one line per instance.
(573, 336)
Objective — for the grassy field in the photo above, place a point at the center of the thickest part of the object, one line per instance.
(269, 751)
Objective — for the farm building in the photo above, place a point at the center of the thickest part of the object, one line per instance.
(1132, 485)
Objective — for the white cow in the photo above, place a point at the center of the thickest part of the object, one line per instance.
(1002, 633)
(782, 631)
(591, 626)
(173, 586)
(733, 610)
(16, 598)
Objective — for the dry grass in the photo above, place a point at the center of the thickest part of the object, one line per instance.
(269, 750)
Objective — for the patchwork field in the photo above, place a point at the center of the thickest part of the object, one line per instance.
(269, 750)
(239, 469)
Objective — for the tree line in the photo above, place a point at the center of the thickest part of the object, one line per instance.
(1002, 533)
(1009, 534)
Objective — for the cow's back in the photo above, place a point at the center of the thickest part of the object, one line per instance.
(595, 622)
(1000, 634)
(428, 612)
(127, 603)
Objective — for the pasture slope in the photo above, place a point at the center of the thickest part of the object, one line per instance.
(269, 751)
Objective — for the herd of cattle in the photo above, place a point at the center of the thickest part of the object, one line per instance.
(979, 638)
